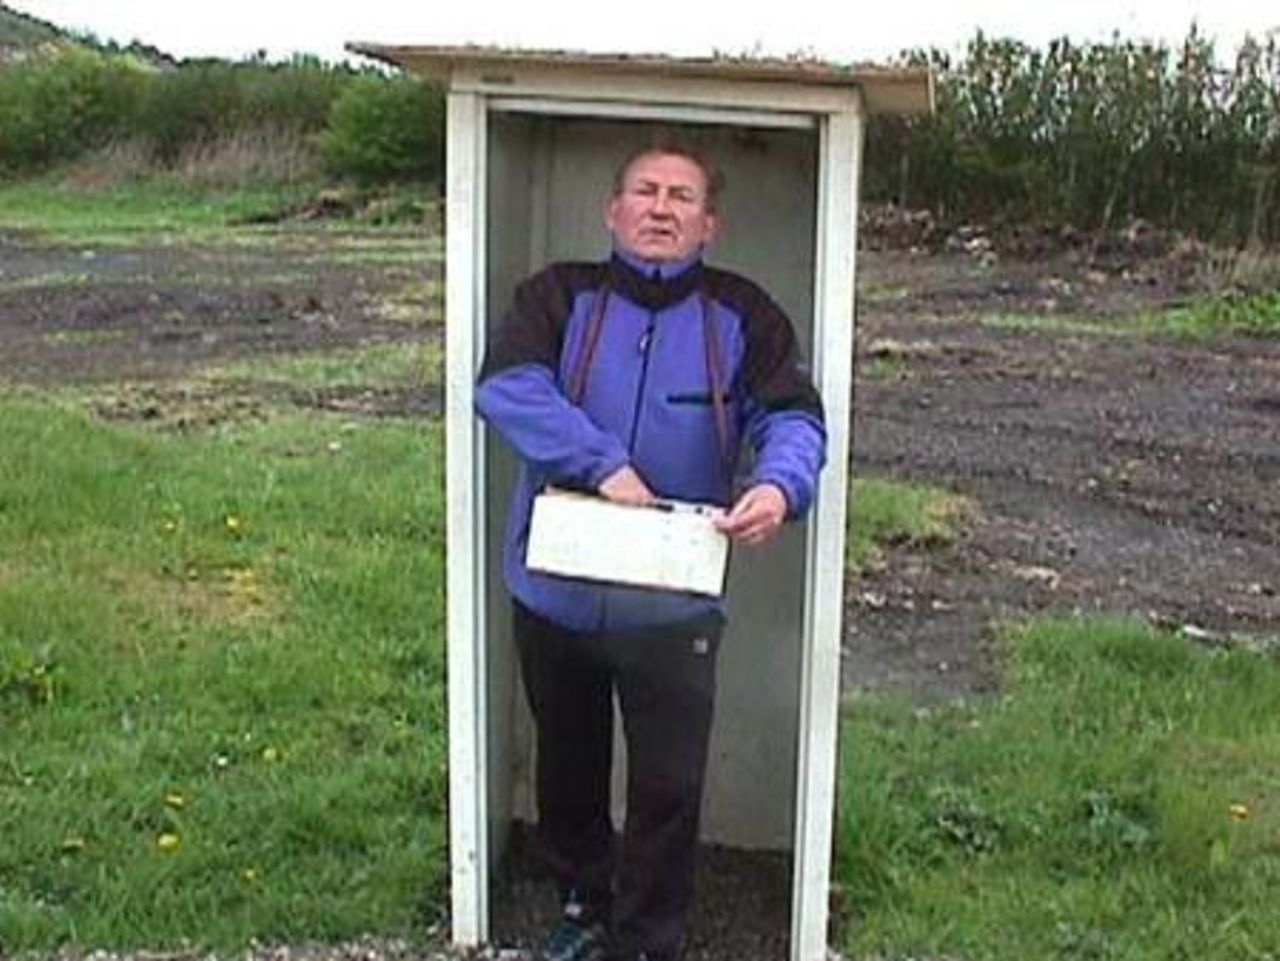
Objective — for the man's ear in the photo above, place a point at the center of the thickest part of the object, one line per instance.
(610, 207)
(714, 225)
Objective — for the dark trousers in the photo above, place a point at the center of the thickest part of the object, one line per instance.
(665, 679)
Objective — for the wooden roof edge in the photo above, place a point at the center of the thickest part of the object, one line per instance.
(893, 90)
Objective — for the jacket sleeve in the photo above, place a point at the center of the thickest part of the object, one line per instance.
(785, 422)
(518, 394)
(791, 448)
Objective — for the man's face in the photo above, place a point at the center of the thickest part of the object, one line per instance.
(661, 213)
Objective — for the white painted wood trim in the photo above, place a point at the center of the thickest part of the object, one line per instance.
(465, 559)
(820, 662)
(656, 93)
(623, 110)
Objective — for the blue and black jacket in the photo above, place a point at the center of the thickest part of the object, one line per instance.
(668, 368)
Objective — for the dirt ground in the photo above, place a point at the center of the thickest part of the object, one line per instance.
(1113, 474)
(1118, 474)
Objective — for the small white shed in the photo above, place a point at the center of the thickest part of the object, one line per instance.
(533, 139)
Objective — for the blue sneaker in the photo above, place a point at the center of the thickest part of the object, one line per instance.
(572, 940)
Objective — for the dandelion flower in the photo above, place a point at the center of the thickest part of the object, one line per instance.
(175, 801)
(233, 524)
(270, 754)
(168, 842)
(1240, 812)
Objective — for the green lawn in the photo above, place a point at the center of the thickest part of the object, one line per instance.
(221, 681)
(1120, 800)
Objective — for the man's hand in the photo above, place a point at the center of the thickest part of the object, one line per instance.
(756, 516)
(624, 486)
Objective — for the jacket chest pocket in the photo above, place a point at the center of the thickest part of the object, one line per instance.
(697, 398)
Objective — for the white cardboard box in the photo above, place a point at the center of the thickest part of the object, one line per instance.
(673, 546)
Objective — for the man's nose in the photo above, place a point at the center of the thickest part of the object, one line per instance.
(661, 202)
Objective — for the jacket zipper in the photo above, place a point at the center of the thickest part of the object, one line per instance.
(646, 348)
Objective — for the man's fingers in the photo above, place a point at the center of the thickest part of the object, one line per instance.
(624, 486)
(756, 516)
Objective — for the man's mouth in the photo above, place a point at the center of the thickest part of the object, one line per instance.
(658, 233)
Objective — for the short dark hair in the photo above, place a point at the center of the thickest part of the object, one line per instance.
(673, 147)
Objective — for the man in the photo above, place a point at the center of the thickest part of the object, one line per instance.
(639, 378)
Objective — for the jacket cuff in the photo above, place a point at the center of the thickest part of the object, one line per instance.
(605, 468)
(796, 503)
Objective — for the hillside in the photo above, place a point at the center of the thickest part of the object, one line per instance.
(21, 34)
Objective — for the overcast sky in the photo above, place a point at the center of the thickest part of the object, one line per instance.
(857, 32)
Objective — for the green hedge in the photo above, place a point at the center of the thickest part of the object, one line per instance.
(384, 129)
(55, 108)
(1093, 135)
(366, 126)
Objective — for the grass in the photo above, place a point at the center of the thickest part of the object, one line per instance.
(46, 281)
(55, 208)
(884, 512)
(1233, 314)
(1120, 801)
(405, 365)
(163, 210)
(221, 681)
(1249, 315)
(1058, 324)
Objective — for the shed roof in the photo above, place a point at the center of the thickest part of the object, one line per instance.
(902, 90)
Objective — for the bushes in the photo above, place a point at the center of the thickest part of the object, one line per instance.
(1093, 135)
(72, 101)
(386, 129)
(56, 108)
(208, 101)
(1090, 135)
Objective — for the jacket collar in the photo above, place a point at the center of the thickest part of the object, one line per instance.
(654, 286)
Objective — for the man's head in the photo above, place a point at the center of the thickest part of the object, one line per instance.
(663, 206)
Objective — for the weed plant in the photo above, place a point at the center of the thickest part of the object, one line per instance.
(1220, 315)
(221, 691)
(884, 512)
(1119, 800)
(1249, 315)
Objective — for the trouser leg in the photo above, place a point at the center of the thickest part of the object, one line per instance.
(569, 692)
(666, 684)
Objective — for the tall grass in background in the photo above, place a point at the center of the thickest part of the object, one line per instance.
(1094, 135)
